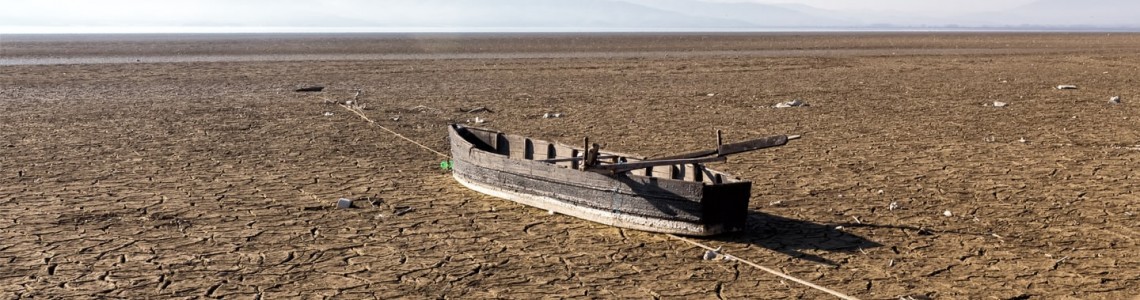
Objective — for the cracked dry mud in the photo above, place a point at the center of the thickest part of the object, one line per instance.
(215, 180)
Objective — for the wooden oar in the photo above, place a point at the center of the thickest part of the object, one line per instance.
(739, 147)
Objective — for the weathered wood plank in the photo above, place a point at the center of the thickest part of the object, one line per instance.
(658, 206)
(752, 145)
(516, 146)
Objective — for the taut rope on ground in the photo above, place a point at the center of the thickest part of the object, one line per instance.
(370, 121)
(762, 268)
(769, 270)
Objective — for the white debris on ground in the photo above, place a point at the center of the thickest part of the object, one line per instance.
(1066, 87)
(711, 254)
(894, 205)
(793, 103)
(477, 120)
(1000, 104)
(1114, 100)
(551, 115)
(948, 213)
(343, 203)
(328, 113)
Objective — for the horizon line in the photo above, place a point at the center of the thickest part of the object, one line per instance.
(36, 30)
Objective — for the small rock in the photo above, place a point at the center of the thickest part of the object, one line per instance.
(1066, 87)
(310, 89)
(328, 114)
(479, 110)
(894, 205)
(401, 210)
(344, 203)
(479, 120)
(1000, 104)
(793, 103)
(551, 212)
(1114, 100)
(777, 202)
(948, 213)
(711, 94)
(396, 118)
(710, 255)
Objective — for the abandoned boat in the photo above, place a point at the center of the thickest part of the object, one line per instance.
(675, 194)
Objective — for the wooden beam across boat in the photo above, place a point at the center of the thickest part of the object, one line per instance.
(625, 167)
(554, 160)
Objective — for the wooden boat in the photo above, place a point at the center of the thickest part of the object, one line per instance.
(675, 194)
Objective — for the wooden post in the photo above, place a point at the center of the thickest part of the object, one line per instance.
(719, 140)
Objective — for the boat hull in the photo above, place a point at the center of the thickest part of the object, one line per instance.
(482, 162)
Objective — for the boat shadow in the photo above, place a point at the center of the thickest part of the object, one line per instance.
(793, 237)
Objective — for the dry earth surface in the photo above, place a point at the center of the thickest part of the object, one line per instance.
(186, 167)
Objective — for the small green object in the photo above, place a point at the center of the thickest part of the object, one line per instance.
(445, 165)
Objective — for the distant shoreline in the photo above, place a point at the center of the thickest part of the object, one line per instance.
(60, 49)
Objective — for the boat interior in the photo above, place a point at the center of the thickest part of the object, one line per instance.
(565, 156)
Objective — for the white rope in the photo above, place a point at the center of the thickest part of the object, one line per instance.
(370, 121)
(773, 272)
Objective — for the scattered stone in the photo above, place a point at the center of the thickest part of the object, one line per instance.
(551, 115)
(894, 205)
(1114, 100)
(711, 94)
(396, 118)
(479, 110)
(344, 203)
(551, 212)
(401, 210)
(1022, 140)
(948, 213)
(310, 89)
(328, 113)
(1000, 104)
(711, 254)
(793, 103)
(1066, 87)
(777, 202)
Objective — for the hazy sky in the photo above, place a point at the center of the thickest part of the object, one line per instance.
(144, 15)
(924, 6)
